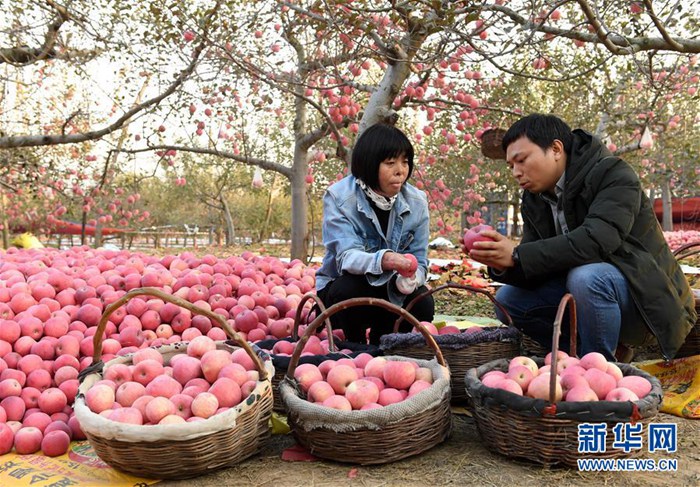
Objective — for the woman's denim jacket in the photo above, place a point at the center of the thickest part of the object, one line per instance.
(354, 240)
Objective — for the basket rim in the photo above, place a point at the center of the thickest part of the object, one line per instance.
(180, 431)
(292, 398)
(618, 410)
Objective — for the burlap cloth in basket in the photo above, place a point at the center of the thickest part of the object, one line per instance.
(607, 411)
(450, 341)
(107, 429)
(309, 416)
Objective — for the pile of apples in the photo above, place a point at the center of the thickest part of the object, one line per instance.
(314, 346)
(592, 378)
(51, 301)
(362, 383)
(680, 238)
(192, 387)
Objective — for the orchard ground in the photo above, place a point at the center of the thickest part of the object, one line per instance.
(461, 460)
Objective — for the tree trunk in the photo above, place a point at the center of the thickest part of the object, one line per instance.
(667, 219)
(300, 210)
(399, 58)
(516, 215)
(230, 231)
(83, 236)
(378, 107)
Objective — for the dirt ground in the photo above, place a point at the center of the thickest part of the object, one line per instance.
(461, 460)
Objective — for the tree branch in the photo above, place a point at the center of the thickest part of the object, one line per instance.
(22, 56)
(262, 163)
(44, 140)
(626, 45)
(661, 28)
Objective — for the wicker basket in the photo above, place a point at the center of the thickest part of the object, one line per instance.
(691, 346)
(375, 436)
(177, 451)
(529, 346)
(491, 143)
(546, 432)
(281, 363)
(462, 352)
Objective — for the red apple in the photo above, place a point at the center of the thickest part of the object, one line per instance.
(473, 235)
(411, 270)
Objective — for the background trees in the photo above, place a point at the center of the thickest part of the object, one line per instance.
(287, 86)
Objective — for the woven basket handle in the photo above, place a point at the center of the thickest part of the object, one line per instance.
(151, 291)
(453, 285)
(685, 251)
(567, 300)
(350, 303)
(297, 319)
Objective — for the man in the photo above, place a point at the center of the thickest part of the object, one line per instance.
(589, 230)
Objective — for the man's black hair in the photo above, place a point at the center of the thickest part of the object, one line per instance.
(376, 144)
(541, 129)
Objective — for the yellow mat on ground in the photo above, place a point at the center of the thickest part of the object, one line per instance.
(680, 380)
(463, 322)
(79, 467)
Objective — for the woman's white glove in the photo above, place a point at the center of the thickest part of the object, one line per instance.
(406, 285)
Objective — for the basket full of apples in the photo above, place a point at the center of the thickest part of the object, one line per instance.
(179, 410)
(368, 410)
(532, 408)
(317, 349)
(463, 349)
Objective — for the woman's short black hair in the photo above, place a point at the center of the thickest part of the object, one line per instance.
(376, 144)
(542, 130)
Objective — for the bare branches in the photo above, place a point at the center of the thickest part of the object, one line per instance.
(23, 55)
(44, 140)
(661, 28)
(253, 161)
(599, 31)
(614, 42)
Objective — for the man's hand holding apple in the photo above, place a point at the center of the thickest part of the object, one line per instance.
(494, 250)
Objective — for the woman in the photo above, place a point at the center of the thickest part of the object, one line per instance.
(371, 220)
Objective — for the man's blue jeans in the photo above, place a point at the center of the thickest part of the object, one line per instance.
(603, 306)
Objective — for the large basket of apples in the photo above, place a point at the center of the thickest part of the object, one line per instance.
(317, 349)
(691, 346)
(368, 411)
(524, 410)
(179, 410)
(462, 349)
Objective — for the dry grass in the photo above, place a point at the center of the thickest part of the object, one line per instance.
(461, 460)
